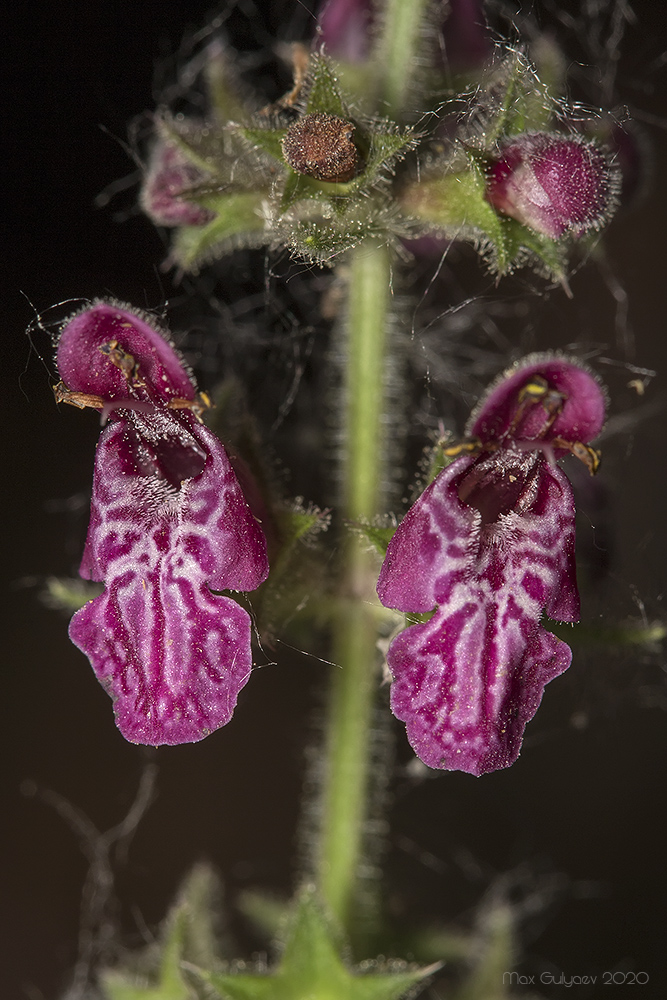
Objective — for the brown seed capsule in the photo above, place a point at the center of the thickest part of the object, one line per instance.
(321, 146)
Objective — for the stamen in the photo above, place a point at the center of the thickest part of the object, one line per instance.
(466, 447)
(81, 399)
(198, 405)
(591, 457)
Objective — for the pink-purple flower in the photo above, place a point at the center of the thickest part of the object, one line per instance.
(490, 546)
(169, 529)
(556, 185)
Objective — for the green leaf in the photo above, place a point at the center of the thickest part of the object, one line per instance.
(313, 967)
(550, 253)
(300, 187)
(456, 203)
(169, 985)
(266, 912)
(321, 242)
(238, 216)
(386, 146)
(200, 145)
(223, 94)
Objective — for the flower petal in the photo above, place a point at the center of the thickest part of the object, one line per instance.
(581, 417)
(161, 373)
(432, 541)
(556, 185)
(469, 680)
(172, 654)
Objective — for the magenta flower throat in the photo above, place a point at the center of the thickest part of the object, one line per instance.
(490, 546)
(169, 526)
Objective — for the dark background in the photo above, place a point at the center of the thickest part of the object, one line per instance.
(574, 831)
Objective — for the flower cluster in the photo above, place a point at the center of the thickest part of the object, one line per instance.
(312, 175)
(169, 527)
(490, 546)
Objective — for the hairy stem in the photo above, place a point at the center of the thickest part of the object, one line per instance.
(398, 51)
(345, 796)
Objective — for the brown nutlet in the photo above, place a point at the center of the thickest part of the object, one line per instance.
(321, 146)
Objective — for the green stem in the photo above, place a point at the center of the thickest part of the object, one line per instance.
(345, 795)
(398, 52)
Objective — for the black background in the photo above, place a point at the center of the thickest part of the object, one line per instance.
(578, 822)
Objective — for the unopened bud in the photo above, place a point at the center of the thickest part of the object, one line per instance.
(164, 194)
(556, 185)
(344, 29)
(320, 146)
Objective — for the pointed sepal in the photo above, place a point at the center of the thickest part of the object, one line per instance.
(378, 534)
(188, 937)
(313, 966)
(238, 223)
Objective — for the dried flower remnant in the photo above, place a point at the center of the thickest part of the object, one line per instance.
(490, 546)
(164, 194)
(555, 185)
(169, 526)
(320, 146)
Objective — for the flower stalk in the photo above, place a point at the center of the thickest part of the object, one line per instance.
(345, 797)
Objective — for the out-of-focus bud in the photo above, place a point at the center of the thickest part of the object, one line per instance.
(631, 151)
(466, 38)
(555, 185)
(320, 146)
(344, 29)
(164, 194)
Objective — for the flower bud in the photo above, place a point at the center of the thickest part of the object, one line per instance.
(169, 178)
(556, 185)
(320, 146)
(344, 29)
(466, 37)
(632, 155)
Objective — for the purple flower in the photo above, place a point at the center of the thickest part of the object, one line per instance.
(467, 40)
(490, 546)
(556, 185)
(169, 179)
(344, 29)
(169, 526)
